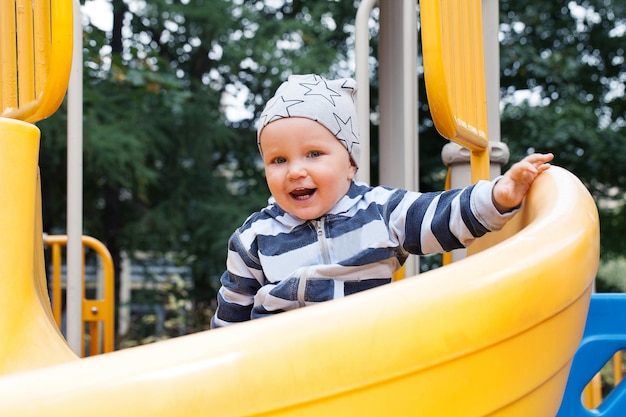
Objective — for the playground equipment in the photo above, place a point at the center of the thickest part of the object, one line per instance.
(604, 336)
(411, 345)
(488, 335)
(35, 57)
(452, 44)
(457, 332)
(98, 313)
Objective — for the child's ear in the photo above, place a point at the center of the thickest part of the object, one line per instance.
(352, 171)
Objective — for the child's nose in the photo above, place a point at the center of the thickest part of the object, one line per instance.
(296, 170)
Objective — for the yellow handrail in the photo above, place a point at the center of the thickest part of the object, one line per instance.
(454, 73)
(35, 57)
(93, 311)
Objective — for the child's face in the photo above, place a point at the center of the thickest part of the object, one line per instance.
(307, 169)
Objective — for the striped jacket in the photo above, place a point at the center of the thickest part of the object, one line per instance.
(277, 262)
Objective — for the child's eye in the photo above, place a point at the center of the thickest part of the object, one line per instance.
(315, 154)
(278, 160)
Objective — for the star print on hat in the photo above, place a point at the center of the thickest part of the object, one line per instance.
(329, 102)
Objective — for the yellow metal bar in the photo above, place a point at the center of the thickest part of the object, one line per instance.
(56, 283)
(94, 342)
(474, 113)
(25, 51)
(101, 310)
(42, 38)
(106, 306)
(35, 57)
(479, 162)
(446, 258)
(8, 56)
(67, 295)
(60, 58)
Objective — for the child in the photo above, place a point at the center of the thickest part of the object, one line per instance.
(324, 236)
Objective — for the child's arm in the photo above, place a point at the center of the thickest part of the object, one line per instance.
(512, 187)
(235, 298)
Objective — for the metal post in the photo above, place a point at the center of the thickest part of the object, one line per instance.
(398, 100)
(491, 26)
(75, 190)
(362, 77)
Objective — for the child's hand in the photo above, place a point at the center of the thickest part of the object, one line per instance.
(511, 189)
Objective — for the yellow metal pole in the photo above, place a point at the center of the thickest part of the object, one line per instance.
(42, 40)
(8, 56)
(25, 51)
(94, 338)
(82, 286)
(446, 257)
(56, 283)
(480, 165)
(105, 306)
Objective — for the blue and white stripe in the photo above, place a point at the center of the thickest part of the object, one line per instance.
(277, 262)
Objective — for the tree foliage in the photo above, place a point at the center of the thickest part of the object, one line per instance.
(570, 56)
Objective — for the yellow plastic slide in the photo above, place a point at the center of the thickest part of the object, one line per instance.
(492, 335)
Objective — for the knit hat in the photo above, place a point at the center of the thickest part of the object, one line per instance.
(329, 102)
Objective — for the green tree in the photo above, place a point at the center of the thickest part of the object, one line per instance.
(570, 55)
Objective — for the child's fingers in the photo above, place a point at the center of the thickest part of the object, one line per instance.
(539, 158)
(539, 162)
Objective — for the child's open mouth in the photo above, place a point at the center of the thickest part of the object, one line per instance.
(302, 193)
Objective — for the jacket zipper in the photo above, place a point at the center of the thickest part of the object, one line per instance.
(321, 238)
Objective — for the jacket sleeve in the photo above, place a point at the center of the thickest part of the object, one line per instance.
(439, 222)
(240, 283)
